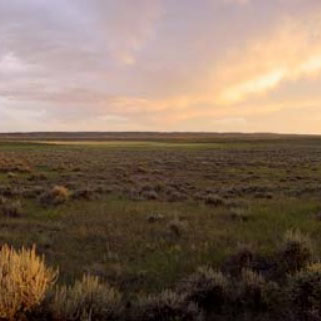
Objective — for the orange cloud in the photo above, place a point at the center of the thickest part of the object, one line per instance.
(290, 52)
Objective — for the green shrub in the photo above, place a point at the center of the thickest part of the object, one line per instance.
(3, 200)
(167, 306)
(11, 208)
(304, 292)
(207, 288)
(214, 200)
(177, 227)
(242, 259)
(254, 294)
(88, 299)
(295, 253)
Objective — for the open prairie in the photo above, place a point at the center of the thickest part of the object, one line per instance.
(144, 214)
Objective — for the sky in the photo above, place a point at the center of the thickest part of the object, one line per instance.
(160, 65)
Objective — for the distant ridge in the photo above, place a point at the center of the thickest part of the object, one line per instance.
(144, 136)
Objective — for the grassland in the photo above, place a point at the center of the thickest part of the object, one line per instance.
(144, 214)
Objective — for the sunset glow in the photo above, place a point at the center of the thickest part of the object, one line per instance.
(160, 65)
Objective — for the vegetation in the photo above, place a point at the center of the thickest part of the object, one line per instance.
(87, 299)
(24, 280)
(178, 227)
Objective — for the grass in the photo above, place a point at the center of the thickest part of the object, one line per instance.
(271, 185)
(112, 234)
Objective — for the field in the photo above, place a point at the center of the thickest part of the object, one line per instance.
(143, 214)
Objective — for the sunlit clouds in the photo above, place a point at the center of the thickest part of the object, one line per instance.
(212, 65)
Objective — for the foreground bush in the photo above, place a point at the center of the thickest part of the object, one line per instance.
(304, 293)
(254, 294)
(294, 254)
(88, 299)
(166, 306)
(246, 292)
(24, 281)
(207, 288)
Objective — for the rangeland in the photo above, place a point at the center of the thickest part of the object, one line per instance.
(144, 213)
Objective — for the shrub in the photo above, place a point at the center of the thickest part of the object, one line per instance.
(214, 200)
(207, 288)
(167, 306)
(304, 292)
(239, 214)
(175, 196)
(88, 299)
(85, 193)
(24, 280)
(11, 209)
(3, 200)
(57, 195)
(242, 259)
(150, 195)
(11, 175)
(295, 253)
(153, 218)
(177, 227)
(253, 293)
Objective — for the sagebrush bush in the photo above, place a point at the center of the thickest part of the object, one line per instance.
(56, 196)
(314, 267)
(88, 299)
(24, 281)
(11, 175)
(177, 227)
(11, 208)
(166, 306)
(304, 292)
(3, 200)
(295, 253)
(84, 193)
(206, 287)
(242, 259)
(254, 294)
(150, 195)
(214, 200)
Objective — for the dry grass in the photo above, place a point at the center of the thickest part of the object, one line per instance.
(24, 281)
(12, 165)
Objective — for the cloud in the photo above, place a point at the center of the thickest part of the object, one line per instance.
(125, 26)
(259, 84)
(240, 2)
(156, 64)
(288, 53)
(9, 63)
